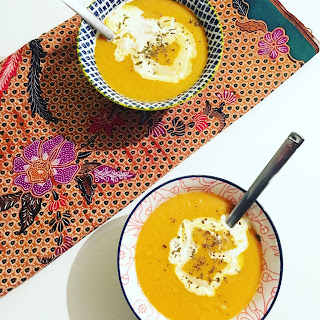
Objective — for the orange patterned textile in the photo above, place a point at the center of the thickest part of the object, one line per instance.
(70, 159)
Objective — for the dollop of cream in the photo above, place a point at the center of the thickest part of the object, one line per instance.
(183, 248)
(137, 36)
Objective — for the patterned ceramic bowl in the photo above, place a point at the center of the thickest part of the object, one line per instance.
(269, 286)
(86, 41)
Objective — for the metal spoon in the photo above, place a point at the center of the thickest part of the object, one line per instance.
(290, 145)
(88, 16)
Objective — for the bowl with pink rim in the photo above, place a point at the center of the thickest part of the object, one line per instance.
(270, 282)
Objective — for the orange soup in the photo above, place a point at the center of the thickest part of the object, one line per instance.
(159, 52)
(190, 265)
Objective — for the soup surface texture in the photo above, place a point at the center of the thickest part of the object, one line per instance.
(159, 52)
(191, 266)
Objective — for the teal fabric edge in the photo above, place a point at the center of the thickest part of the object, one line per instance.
(300, 47)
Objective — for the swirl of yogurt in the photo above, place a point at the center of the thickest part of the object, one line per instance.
(137, 36)
(183, 248)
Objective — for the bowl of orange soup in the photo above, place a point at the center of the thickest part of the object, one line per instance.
(164, 52)
(179, 260)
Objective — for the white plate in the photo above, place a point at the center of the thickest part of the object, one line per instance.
(93, 290)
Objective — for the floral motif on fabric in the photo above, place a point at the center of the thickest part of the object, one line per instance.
(274, 44)
(45, 163)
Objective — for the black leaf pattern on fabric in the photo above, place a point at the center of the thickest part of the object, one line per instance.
(191, 124)
(60, 240)
(37, 103)
(85, 184)
(88, 166)
(217, 114)
(241, 6)
(29, 210)
(144, 116)
(92, 140)
(208, 108)
(83, 155)
(58, 222)
(178, 127)
(7, 201)
(46, 260)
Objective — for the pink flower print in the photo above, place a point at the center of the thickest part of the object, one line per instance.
(141, 307)
(274, 43)
(45, 163)
(227, 97)
(200, 121)
(157, 128)
(124, 255)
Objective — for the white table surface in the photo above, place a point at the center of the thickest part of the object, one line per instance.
(237, 154)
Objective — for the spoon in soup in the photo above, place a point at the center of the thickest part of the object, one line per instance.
(90, 18)
(287, 149)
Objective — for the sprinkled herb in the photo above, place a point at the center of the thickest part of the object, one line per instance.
(211, 271)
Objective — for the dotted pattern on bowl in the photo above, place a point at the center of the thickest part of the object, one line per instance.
(86, 45)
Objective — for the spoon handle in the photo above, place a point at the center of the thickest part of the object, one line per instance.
(290, 145)
(88, 16)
